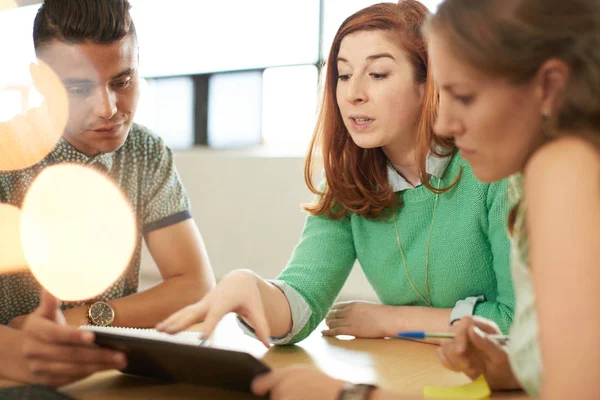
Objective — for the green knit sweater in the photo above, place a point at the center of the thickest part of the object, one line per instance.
(469, 254)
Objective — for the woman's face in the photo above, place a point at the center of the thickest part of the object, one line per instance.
(376, 91)
(496, 124)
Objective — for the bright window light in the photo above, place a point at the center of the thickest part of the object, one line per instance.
(181, 37)
(17, 52)
(166, 107)
(336, 11)
(234, 109)
(289, 105)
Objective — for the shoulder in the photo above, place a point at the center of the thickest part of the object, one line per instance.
(569, 166)
(563, 158)
(144, 143)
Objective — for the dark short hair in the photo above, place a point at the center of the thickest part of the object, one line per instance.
(78, 21)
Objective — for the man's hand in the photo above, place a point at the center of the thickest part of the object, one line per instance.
(53, 354)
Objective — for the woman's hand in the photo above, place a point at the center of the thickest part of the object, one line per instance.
(239, 293)
(297, 383)
(474, 353)
(360, 319)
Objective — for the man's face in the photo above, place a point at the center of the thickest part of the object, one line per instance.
(103, 90)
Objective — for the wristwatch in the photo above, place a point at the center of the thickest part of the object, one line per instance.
(101, 313)
(356, 391)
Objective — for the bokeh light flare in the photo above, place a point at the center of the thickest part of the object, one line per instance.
(8, 4)
(78, 231)
(27, 137)
(12, 258)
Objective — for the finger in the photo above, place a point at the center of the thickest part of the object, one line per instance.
(338, 323)
(490, 348)
(256, 318)
(213, 317)
(341, 305)
(337, 331)
(48, 306)
(460, 342)
(50, 332)
(74, 354)
(458, 362)
(486, 325)
(263, 384)
(459, 358)
(445, 359)
(338, 313)
(63, 371)
(184, 318)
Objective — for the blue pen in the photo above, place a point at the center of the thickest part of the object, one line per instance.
(443, 335)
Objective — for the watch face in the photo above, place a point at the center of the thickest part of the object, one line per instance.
(101, 313)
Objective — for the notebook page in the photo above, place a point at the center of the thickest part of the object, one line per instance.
(185, 337)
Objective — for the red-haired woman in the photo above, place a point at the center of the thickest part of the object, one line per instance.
(430, 238)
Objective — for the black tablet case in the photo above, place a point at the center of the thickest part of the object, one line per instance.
(201, 365)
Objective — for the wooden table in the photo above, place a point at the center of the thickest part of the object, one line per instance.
(402, 366)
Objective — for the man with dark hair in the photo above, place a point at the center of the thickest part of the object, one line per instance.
(91, 45)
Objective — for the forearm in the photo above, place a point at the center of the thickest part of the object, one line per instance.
(276, 306)
(412, 318)
(147, 308)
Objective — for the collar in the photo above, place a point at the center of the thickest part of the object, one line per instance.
(434, 165)
(64, 152)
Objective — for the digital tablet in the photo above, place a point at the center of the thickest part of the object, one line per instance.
(180, 358)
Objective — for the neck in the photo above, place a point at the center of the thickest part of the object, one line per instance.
(403, 158)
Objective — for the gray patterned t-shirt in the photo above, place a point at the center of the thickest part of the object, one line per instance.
(144, 170)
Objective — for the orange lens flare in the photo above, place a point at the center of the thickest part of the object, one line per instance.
(78, 231)
(12, 258)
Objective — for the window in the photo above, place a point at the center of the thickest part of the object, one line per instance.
(193, 37)
(234, 109)
(167, 107)
(222, 74)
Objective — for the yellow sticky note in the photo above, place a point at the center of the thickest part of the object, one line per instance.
(476, 390)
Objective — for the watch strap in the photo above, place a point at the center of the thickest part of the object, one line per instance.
(356, 391)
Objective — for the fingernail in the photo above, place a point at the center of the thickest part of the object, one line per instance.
(87, 337)
(160, 326)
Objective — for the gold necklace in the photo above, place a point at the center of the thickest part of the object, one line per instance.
(428, 300)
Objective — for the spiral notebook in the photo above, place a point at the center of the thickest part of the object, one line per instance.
(185, 337)
(183, 357)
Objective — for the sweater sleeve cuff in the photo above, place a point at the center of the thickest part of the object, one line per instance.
(465, 307)
(300, 311)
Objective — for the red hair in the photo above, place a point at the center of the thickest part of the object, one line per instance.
(356, 178)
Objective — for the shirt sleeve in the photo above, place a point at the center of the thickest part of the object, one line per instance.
(501, 309)
(319, 266)
(300, 311)
(165, 201)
